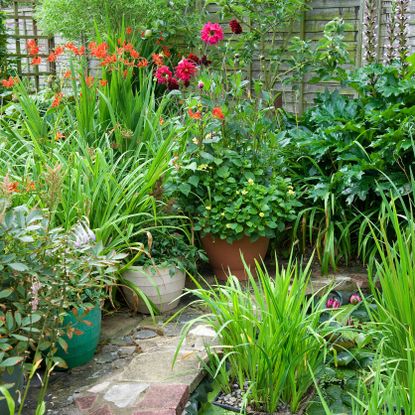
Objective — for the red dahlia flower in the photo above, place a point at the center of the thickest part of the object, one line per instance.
(194, 58)
(235, 27)
(173, 84)
(185, 70)
(163, 74)
(211, 33)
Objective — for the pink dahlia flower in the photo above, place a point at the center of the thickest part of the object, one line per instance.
(333, 303)
(185, 70)
(211, 33)
(163, 74)
(355, 299)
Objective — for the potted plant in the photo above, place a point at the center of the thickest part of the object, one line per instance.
(227, 180)
(56, 279)
(159, 274)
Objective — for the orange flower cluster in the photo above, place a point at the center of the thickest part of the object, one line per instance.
(218, 113)
(8, 186)
(33, 50)
(10, 82)
(57, 100)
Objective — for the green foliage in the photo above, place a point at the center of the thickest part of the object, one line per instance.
(393, 268)
(225, 179)
(264, 23)
(45, 273)
(169, 245)
(74, 19)
(259, 344)
(341, 152)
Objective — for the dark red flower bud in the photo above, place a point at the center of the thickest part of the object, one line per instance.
(235, 27)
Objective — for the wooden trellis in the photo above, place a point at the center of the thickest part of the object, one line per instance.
(22, 27)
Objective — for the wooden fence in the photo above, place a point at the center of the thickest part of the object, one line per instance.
(22, 26)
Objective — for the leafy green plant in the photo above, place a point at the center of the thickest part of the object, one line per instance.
(45, 273)
(258, 344)
(344, 151)
(391, 272)
(225, 180)
(73, 20)
(169, 245)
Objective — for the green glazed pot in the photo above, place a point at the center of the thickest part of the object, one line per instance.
(81, 346)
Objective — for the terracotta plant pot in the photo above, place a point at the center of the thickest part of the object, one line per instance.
(225, 258)
(161, 288)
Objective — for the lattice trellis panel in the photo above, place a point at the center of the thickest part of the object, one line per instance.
(22, 27)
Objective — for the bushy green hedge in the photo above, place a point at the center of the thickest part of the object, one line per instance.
(74, 18)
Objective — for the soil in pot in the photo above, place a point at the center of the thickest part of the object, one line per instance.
(233, 401)
(225, 258)
(83, 342)
(158, 284)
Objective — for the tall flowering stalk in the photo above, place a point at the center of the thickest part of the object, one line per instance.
(402, 7)
(392, 35)
(370, 31)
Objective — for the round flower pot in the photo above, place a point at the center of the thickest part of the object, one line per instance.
(158, 284)
(225, 258)
(15, 377)
(83, 342)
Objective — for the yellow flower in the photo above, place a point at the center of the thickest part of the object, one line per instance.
(208, 136)
(261, 214)
(228, 225)
(202, 167)
(195, 141)
(291, 192)
(244, 192)
(250, 182)
(208, 207)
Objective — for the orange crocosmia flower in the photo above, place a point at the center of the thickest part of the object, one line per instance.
(30, 186)
(37, 60)
(59, 136)
(109, 60)
(134, 54)
(129, 30)
(157, 59)
(217, 113)
(67, 74)
(161, 121)
(57, 100)
(128, 47)
(125, 73)
(103, 82)
(9, 83)
(142, 63)
(80, 51)
(59, 50)
(196, 115)
(166, 51)
(32, 47)
(89, 80)
(52, 57)
(12, 187)
(99, 51)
